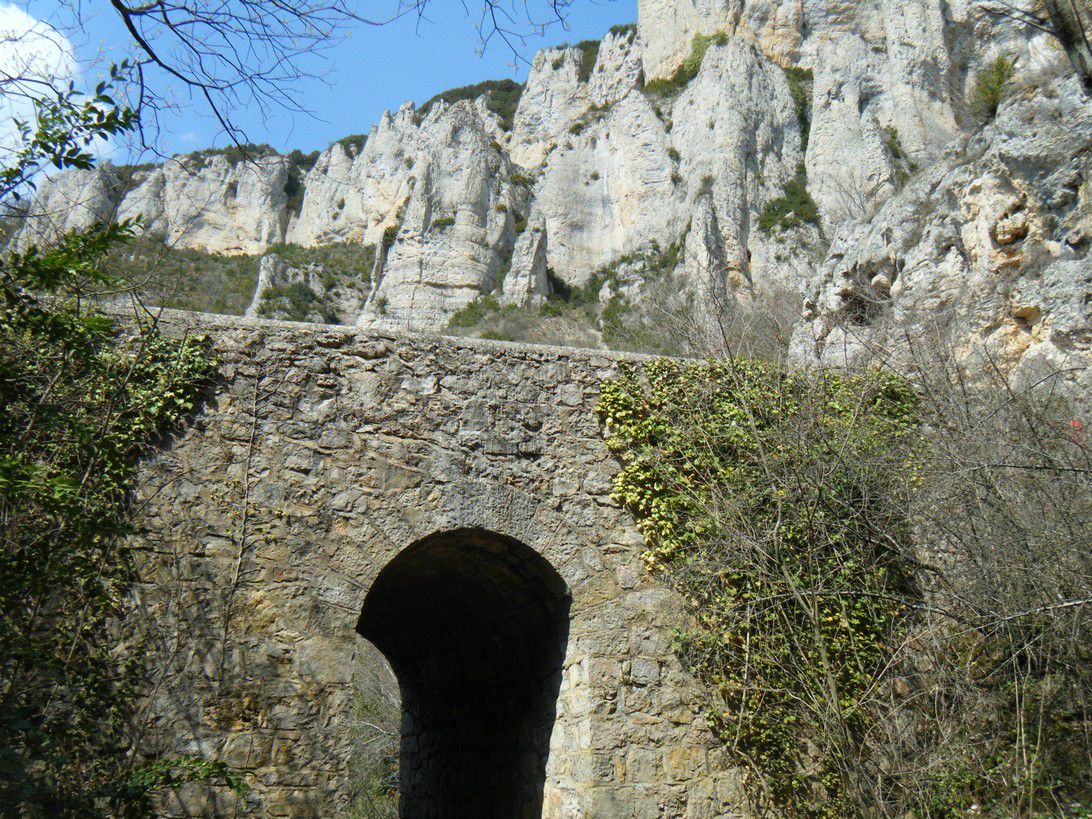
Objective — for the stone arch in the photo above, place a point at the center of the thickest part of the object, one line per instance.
(475, 625)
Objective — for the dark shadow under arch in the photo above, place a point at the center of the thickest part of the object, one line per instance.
(475, 626)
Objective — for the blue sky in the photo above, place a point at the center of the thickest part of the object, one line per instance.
(372, 69)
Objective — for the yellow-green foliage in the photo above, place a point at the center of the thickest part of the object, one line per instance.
(669, 86)
(773, 501)
(989, 87)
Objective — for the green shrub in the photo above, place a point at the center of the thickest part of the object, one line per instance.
(589, 53)
(354, 143)
(234, 154)
(84, 397)
(670, 86)
(774, 502)
(299, 164)
(185, 279)
(989, 88)
(523, 179)
(442, 223)
(793, 208)
(292, 302)
(624, 28)
(342, 258)
(904, 167)
(595, 113)
(800, 84)
(127, 177)
(474, 312)
(573, 314)
(502, 97)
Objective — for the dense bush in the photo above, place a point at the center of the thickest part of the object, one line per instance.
(182, 278)
(793, 208)
(989, 88)
(354, 143)
(299, 164)
(589, 53)
(82, 399)
(888, 586)
(742, 477)
(502, 97)
(623, 28)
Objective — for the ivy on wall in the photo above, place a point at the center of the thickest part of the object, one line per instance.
(775, 503)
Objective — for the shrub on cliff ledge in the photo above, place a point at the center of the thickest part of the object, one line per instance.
(669, 86)
(989, 88)
(793, 208)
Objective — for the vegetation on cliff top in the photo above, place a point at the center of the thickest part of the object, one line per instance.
(670, 86)
(502, 97)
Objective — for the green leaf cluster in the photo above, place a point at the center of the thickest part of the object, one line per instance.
(670, 86)
(82, 399)
(774, 502)
(66, 125)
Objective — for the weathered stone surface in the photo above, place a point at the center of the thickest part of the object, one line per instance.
(326, 453)
(73, 200)
(454, 229)
(984, 255)
(213, 203)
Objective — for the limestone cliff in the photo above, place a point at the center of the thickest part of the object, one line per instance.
(815, 146)
(984, 252)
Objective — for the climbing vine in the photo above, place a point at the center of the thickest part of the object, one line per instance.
(82, 398)
(774, 502)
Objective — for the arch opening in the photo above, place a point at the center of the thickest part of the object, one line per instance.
(475, 626)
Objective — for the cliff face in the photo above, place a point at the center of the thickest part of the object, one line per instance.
(816, 146)
(984, 253)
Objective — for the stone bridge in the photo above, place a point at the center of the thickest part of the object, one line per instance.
(444, 501)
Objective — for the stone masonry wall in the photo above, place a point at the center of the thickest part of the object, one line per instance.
(322, 455)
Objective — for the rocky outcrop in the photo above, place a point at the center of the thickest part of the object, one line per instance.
(985, 254)
(453, 231)
(213, 202)
(73, 200)
(639, 169)
(791, 126)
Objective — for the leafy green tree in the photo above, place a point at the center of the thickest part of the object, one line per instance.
(81, 397)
